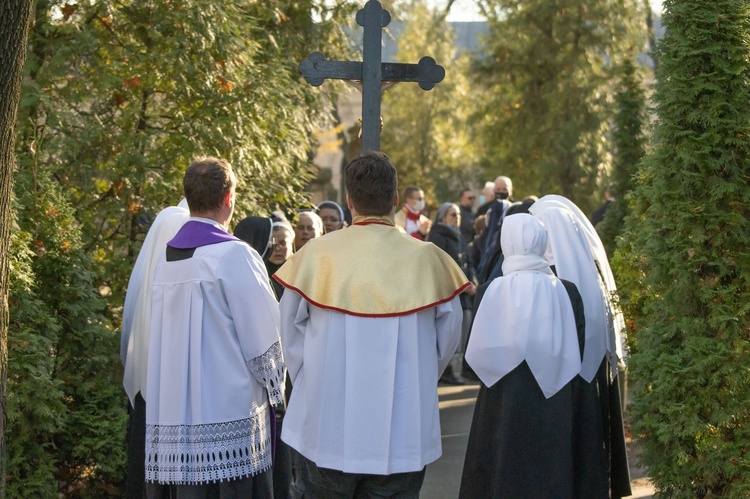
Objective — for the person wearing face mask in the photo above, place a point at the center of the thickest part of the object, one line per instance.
(332, 215)
(410, 217)
(502, 190)
(488, 192)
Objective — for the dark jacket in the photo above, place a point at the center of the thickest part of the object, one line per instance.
(467, 227)
(447, 240)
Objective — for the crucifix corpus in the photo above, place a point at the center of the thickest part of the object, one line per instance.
(373, 73)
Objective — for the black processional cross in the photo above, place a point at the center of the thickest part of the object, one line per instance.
(371, 71)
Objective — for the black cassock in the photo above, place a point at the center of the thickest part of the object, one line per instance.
(523, 445)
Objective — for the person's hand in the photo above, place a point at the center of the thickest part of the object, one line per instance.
(471, 290)
(424, 227)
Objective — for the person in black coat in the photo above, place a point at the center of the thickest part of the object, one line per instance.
(466, 202)
(445, 234)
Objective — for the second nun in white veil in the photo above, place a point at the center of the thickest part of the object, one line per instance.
(574, 259)
(536, 430)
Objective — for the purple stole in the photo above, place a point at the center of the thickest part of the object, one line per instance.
(194, 234)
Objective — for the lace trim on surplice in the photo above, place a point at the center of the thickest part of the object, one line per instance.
(269, 370)
(196, 454)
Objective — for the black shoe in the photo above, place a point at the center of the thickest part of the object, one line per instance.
(451, 379)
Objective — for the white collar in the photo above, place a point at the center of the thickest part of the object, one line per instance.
(525, 315)
(208, 221)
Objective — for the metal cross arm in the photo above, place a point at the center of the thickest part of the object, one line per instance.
(372, 72)
(316, 69)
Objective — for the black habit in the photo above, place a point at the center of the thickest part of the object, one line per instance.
(522, 444)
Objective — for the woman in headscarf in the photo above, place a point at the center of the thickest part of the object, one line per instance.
(616, 326)
(309, 226)
(257, 232)
(332, 216)
(283, 236)
(445, 233)
(532, 433)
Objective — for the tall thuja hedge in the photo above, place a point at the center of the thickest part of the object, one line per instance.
(66, 407)
(691, 229)
(628, 147)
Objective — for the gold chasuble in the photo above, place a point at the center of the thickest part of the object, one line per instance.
(372, 269)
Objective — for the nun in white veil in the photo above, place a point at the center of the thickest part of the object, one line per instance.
(573, 252)
(536, 430)
(615, 323)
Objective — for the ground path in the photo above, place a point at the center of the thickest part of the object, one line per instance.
(456, 408)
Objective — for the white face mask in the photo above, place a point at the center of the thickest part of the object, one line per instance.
(419, 205)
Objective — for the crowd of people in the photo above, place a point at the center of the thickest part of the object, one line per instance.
(292, 358)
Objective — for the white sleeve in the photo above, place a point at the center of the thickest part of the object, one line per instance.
(294, 316)
(255, 313)
(128, 310)
(448, 317)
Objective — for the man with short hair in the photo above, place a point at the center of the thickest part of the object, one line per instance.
(598, 214)
(504, 188)
(215, 364)
(370, 319)
(502, 191)
(411, 217)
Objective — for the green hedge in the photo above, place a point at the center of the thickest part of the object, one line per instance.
(690, 236)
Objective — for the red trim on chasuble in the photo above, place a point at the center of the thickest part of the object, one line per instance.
(395, 314)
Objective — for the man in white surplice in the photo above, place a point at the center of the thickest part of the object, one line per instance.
(369, 320)
(215, 363)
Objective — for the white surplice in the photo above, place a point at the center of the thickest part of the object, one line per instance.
(214, 363)
(365, 388)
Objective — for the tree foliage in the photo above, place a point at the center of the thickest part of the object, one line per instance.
(689, 231)
(426, 133)
(14, 21)
(121, 96)
(545, 86)
(118, 98)
(66, 418)
(628, 147)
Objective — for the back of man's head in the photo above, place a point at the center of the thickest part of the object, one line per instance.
(207, 181)
(372, 183)
(506, 180)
